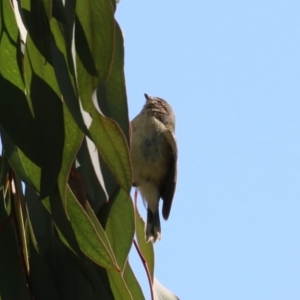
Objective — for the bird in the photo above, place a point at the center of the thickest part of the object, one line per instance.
(154, 161)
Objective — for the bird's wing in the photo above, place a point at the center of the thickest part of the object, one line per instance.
(168, 189)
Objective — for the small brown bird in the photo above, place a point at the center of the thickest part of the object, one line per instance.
(154, 160)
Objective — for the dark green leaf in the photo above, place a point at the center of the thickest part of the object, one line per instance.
(40, 220)
(89, 180)
(119, 287)
(10, 54)
(100, 231)
(62, 73)
(132, 283)
(50, 124)
(73, 139)
(117, 218)
(38, 27)
(12, 280)
(94, 42)
(4, 167)
(111, 95)
(88, 239)
(42, 283)
(48, 6)
(24, 134)
(69, 282)
(145, 248)
(59, 11)
(113, 148)
(65, 231)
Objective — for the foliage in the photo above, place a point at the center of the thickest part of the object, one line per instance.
(67, 221)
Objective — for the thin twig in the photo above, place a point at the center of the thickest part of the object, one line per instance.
(145, 266)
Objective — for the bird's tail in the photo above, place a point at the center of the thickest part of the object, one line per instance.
(153, 231)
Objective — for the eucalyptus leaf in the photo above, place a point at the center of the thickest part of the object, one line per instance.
(132, 283)
(65, 132)
(88, 239)
(94, 43)
(13, 155)
(146, 248)
(111, 95)
(117, 218)
(13, 284)
(10, 54)
(48, 108)
(23, 134)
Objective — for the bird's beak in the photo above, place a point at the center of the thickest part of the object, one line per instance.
(147, 97)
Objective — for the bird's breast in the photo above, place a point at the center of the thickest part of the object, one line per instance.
(150, 151)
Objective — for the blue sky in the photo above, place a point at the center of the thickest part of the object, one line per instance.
(231, 71)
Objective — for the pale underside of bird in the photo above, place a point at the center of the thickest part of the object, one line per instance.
(154, 160)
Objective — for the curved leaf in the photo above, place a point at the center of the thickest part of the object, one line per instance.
(113, 148)
(12, 281)
(117, 218)
(132, 283)
(111, 95)
(145, 248)
(24, 134)
(84, 166)
(48, 108)
(12, 154)
(94, 42)
(10, 54)
(88, 239)
(72, 142)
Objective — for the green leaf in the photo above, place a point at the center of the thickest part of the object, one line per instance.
(59, 11)
(95, 46)
(41, 280)
(68, 278)
(12, 281)
(89, 180)
(41, 80)
(111, 95)
(100, 231)
(10, 55)
(72, 142)
(4, 167)
(113, 148)
(13, 108)
(49, 120)
(78, 240)
(132, 283)
(40, 220)
(86, 234)
(33, 172)
(117, 218)
(48, 8)
(27, 171)
(62, 70)
(36, 64)
(54, 204)
(146, 248)
(94, 43)
(11, 153)
(119, 287)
